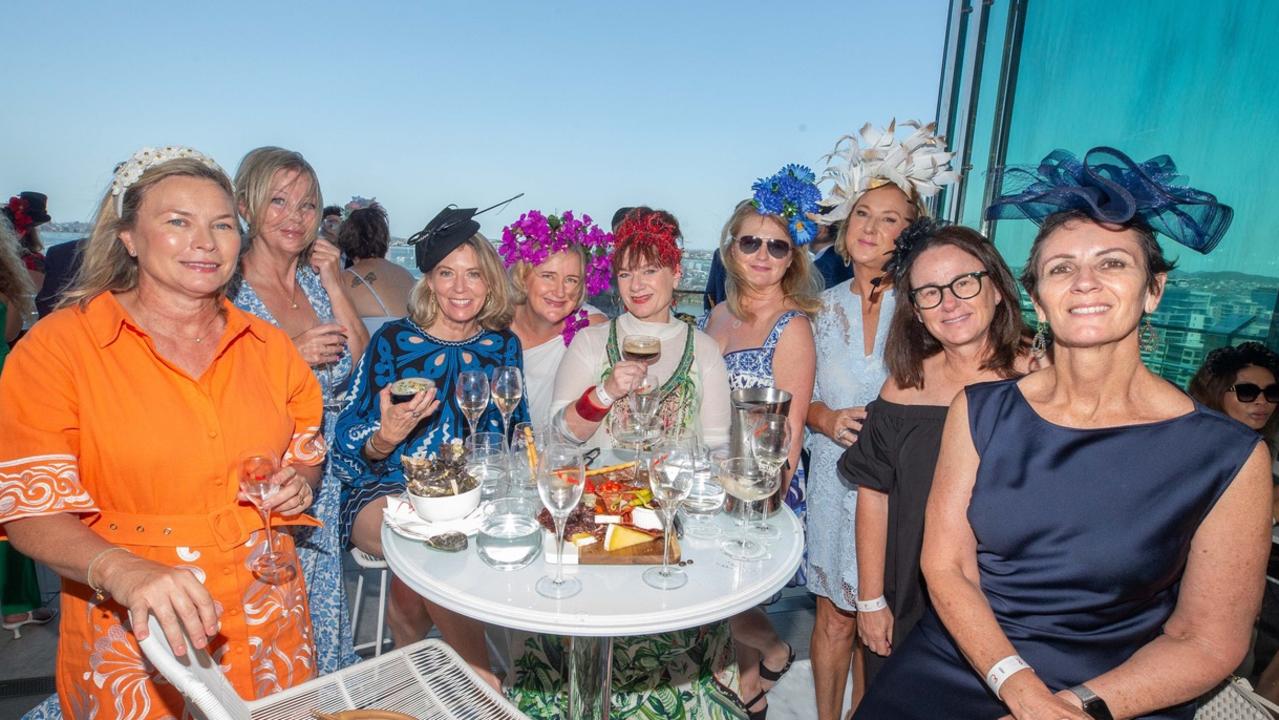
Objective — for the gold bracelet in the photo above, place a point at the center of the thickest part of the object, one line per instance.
(99, 594)
(374, 446)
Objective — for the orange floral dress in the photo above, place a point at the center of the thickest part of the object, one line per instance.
(93, 422)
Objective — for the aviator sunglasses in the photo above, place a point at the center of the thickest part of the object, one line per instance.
(1248, 392)
(750, 245)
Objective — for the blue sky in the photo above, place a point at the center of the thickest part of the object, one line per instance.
(581, 105)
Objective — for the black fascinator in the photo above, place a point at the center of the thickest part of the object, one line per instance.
(1112, 188)
(906, 246)
(445, 233)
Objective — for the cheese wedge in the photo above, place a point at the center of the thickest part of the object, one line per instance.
(618, 537)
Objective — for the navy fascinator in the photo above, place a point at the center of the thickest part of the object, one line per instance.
(1112, 188)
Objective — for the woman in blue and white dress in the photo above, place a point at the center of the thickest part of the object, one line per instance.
(763, 328)
(293, 280)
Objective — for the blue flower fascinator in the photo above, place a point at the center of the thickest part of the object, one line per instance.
(1112, 188)
(791, 194)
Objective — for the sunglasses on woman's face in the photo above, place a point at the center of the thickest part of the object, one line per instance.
(1248, 392)
(749, 245)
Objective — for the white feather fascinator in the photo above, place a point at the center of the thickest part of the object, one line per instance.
(872, 158)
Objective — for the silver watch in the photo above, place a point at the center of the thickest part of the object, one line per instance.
(1093, 704)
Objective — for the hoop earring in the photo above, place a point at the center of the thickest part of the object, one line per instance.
(1039, 344)
(1148, 339)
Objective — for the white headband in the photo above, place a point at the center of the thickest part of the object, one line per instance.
(129, 172)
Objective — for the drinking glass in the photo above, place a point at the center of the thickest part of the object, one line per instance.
(642, 348)
(561, 475)
(259, 481)
(522, 465)
(670, 478)
(508, 387)
(705, 496)
(326, 374)
(644, 399)
(747, 482)
(510, 536)
(770, 444)
(472, 394)
(486, 461)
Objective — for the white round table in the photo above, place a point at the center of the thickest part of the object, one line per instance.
(614, 600)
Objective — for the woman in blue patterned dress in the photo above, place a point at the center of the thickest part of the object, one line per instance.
(458, 314)
(771, 293)
(293, 280)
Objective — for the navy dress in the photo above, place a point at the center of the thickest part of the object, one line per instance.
(1082, 538)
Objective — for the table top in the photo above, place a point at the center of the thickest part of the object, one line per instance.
(614, 600)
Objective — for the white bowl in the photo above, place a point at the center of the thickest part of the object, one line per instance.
(447, 507)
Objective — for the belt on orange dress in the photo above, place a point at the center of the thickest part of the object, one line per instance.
(227, 527)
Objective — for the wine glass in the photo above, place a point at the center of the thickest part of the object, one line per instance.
(561, 475)
(670, 478)
(326, 373)
(705, 496)
(770, 444)
(472, 394)
(746, 482)
(644, 399)
(642, 348)
(508, 388)
(259, 481)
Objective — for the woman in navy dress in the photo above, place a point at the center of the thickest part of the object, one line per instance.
(458, 313)
(1095, 540)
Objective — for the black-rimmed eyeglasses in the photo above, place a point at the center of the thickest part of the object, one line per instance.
(964, 287)
(1249, 392)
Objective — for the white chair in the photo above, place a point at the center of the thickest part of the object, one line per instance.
(369, 562)
(424, 680)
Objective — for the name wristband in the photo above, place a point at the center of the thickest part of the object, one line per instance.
(1002, 670)
(602, 395)
(587, 409)
(871, 605)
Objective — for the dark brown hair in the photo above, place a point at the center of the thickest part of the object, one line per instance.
(1156, 262)
(365, 233)
(1219, 370)
(909, 343)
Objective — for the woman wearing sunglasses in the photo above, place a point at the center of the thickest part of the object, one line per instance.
(764, 330)
(1242, 382)
(960, 326)
(880, 187)
(1095, 541)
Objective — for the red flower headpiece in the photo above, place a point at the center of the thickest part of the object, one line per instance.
(649, 228)
(17, 212)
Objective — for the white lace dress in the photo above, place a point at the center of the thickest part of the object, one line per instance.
(846, 377)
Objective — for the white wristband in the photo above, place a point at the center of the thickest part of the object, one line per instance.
(871, 605)
(1002, 670)
(602, 395)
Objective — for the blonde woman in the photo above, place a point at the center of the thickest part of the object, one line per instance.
(458, 314)
(294, 281)
(126, 415)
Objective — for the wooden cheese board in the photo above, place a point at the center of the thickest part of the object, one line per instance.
(649, 553)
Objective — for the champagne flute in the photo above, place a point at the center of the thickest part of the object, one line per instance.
(642, 348)
(508, 389)
(561, 475)
(259, 480)
(472, 393)
(670, 479)
(770, 444)
(747, 482)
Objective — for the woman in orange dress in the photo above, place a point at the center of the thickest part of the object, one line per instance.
(126, 414)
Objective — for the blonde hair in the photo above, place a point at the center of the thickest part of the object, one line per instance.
(105, 264)
(15, 281)
(253, 186)
(913, 198)
(519, 273)
(497, 310)
(801, 286)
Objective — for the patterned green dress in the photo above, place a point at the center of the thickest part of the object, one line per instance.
(685, 675)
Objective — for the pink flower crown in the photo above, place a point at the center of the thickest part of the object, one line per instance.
(535, 237)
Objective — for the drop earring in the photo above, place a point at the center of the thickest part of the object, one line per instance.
(1148, 338)
(1039, 344)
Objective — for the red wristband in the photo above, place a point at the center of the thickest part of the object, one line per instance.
(589, 410)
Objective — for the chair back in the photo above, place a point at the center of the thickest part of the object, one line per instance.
(208, 693)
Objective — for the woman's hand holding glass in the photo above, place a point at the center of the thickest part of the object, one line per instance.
(292, 496)
(398, 420)
(322, 344)
(626, 376)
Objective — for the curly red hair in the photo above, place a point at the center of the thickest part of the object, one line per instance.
(647, 237)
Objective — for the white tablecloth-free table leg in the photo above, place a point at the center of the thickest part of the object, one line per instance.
(590, 677)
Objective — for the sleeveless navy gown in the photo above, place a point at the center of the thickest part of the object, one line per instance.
(1082, 538)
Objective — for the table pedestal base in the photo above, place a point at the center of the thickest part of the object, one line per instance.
(590, 669)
